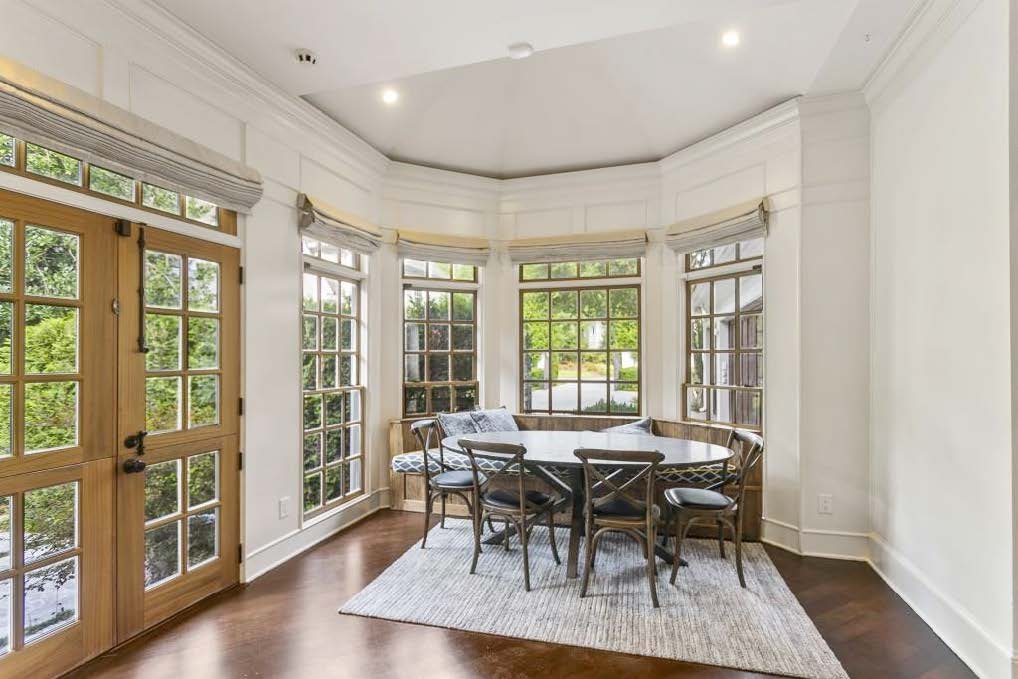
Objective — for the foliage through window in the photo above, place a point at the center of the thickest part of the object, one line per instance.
(41, 162)
(725, 360)
(725, 254)
(581, 349)
(605, 268)
(327, 252)
(439, 341)
(332, 388)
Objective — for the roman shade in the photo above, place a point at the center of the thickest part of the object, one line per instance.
(47, 112)
(740, 222)
(578, 247)
(439, 248)
(330, 224)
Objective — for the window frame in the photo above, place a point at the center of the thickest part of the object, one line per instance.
(578, 278)
(606, 283)
(358, 277)
(427, 285)
(226, 219)
(735, 271)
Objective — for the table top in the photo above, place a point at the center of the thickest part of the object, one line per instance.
(556, 447)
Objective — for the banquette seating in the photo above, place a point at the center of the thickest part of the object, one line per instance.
(407, 481)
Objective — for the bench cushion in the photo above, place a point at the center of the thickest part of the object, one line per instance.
(413, 463)
(696, 476)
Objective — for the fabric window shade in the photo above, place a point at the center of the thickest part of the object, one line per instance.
(333, 226)
(439, 248)
(741, 222)
(579, 247)
(47, 112)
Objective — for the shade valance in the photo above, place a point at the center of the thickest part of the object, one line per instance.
(47, 112)
(330, 224)
(579, 247)
(740, 222)
(439, 248)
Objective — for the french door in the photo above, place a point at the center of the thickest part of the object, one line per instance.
(177, 490)
(100, 537)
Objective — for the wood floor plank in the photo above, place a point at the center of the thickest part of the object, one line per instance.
(285, 624)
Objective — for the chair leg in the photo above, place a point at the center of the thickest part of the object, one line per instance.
(721, 538)
(526, 555)
(427, 516)
(651, 570)
(442, 524)
(588, 561)
(505, 535)
(551, 537)
(738, 550)
(477, 540)
(681, 528)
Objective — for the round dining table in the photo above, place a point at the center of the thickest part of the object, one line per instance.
(549, 452)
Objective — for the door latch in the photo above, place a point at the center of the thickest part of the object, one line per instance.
(136, 441)
(134, 465)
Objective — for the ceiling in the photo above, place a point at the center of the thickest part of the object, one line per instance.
(610, 83)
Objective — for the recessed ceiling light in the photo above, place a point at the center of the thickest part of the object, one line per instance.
(390, 96)
(730, 38)
(520, 50)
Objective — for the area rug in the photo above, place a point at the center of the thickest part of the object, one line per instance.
(707, 618)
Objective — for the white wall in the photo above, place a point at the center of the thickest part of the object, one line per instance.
(941, 426)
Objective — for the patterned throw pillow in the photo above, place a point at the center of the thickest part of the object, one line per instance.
(496, 419)
(640, 427)
(457, 424)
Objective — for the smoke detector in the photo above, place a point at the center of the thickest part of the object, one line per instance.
(306, 56)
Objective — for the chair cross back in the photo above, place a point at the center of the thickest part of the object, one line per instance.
(645, 461)
(426, 431)
(510, 454)
(748, 449)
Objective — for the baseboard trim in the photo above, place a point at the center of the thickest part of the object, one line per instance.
(265, 558)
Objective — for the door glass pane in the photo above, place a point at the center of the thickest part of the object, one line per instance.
(51, 339)
(202, 542)
(110, 183)
(6, 255)
(51, 263)
(162, 404)
(162, 335)
(6, 337)
(202, 342)
(6, 419)
(162, 553)
(162, 489)
(50, 521)
(43, 161)
(5, 616)
(163, 280)
(159, 198)
(202, 285)
(51, 598)
(201, 211)
(202, 475)
(203, 398)
(6, 509)
(51, 415)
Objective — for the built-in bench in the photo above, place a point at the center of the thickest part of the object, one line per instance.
(407, 473)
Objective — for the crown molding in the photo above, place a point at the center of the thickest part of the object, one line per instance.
(287, 111)
(931, 24)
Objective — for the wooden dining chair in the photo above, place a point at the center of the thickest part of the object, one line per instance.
(511, 502)
(444, 482)
(712, 505)
(620, 499)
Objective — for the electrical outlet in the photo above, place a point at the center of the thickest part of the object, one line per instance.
(284, 507)
(825, 503)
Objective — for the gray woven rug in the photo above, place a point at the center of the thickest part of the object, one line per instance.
(707, 618)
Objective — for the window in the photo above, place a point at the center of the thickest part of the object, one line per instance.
(724, 326)
(439, 338)
(39, 162)
(332, 385)
(326, 252)
(580, 345)
(725, 254)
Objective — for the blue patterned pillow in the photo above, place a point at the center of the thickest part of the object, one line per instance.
(457, 424)
(640, 427)
(496, 419)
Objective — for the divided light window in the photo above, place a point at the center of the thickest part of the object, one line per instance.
(331, 381)
(439, 338)
(39, 162)
(724, 326)
(580, 343)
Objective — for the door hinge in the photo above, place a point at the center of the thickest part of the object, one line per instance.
(241, 275)
(240, 461)
(115, 306)
(240, 405)
(122, 227)
(240, 553)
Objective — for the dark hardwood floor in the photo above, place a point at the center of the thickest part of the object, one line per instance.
(285, 624)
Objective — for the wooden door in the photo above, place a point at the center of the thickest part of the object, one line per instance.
(57, 425)
(177, 488)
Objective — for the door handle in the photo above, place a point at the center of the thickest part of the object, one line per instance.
(136, 441)
(134, 465)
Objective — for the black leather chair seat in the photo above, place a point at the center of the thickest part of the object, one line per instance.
(459, 478)
(697, 498)
(510, 500)
(618, 507)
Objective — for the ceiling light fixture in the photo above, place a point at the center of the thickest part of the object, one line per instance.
(390, 96)
(730, 38)
(520, 50)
